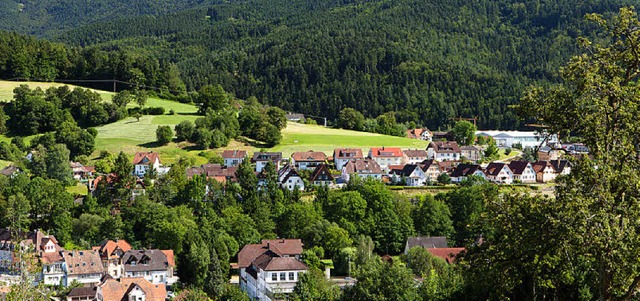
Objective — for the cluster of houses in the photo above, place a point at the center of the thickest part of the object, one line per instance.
(110, 271)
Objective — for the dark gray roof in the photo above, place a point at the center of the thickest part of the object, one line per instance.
(83, 292)
(426, 242)
(463, 170)
(156, 260)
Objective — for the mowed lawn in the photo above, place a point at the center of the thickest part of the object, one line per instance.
(301, 137)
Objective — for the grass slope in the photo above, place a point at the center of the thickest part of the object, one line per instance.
(130, 135)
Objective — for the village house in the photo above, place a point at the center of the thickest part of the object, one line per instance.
(47, 251)
(414, 156)
(499, 173)
(365, 168)
(471, 152)
(220, 173)
(562, 167)
(271, 268)
(307, 160)
(444, 151)
(80, 172)
(545, 171)
(421, 134)
(425, 242)
(386, 156)
(83, 266)
(288, 178)
(233, 157)
(144, 161)
(343, 155)
(463, 171)
(156, 266)
(262, 158)
(523, 171)
(447, 254)
(409, 175)
(130, 289)
(111, 253)
(432, 169)
(321, 176)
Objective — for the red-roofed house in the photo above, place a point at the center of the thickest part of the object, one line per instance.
(270, 268)
(343, 155)
(444, 151)
(233, 157)
(447, 254)
(545, 171)
(143, 162)
(422, 134)
(111, 253)
(307, 160)
(138, 289)
(386, 156)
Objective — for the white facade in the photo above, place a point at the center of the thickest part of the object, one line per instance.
(269, 285)
(384, 162)
(83, 278)
(141, 169)
(505, 176)
(527, 176)
(155, 277)
(441, 157)
(53, 273)
(478, 173)
(509, 138)
(229, 162)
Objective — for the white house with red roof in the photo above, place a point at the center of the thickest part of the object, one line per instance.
(308, 160)
(271, 268)
(144, 161)
(386, 156)
(343, 155)
(233, 157)
(444, 151)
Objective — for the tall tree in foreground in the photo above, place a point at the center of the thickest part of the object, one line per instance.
(595, 227)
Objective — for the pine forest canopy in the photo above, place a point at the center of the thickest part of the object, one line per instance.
(429, 61)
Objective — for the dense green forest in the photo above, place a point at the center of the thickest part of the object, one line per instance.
(437, 59)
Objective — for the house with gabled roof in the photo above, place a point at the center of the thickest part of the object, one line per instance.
(307, 160)
(432, 169)
(262, 158)
(562, 167)
(471, 152)
(409, 175)
(153, 265)
(144, 161)
(414, 156)
(321, 176)
(343, 155)
(545, 171)
(421, 134)
(386, 156)
(498, 172)
(288, 178)
(365, 168)
(444, 151)
(463, 171)
(523, 171)
(130, 289)
(83, 266)
(426, 242)
(233, 157)
(111, 253)
(270, 268)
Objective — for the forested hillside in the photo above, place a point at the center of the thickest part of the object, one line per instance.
(427, 60)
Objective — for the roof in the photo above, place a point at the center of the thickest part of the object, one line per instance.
(321, 173)
(142, 158)
(215, 171)
(427, 242)
(375, 152)
(266, 156)
(83, 262)
(415, 153)
(494, 168)
(518, 167)
(83, 292)
(235, 154)
(448, 254)
(492, 133)
(416, 133)
(540, 166)
(309, 156)
(406, 170)
(249, 253)
(156, 260)
(287, 172)
(362, 166)
(428, 163)
(9, 170)
(463, 170)
(170, 257)
(107, 247)
(347, 153)
(444, 147)
(114, 290)
(472, 148)
(559, 165)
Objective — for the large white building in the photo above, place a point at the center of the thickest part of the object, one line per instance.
(270, 270)
(526, 138)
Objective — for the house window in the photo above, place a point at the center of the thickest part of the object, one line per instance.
(283, 276)
(291, 276)
(274, 276)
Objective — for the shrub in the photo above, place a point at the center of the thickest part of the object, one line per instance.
(154, 111)
(164, 134)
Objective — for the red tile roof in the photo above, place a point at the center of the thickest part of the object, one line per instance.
(444, 147)
(540, 166)
(107, 247)
(142, 158)
(415, 153)
(272, 263)
(385, 152)
(347, 153)
(249, 253)
(448, 254)
(239, 154)
(170, 257)
(309, 156)
(362, 166)
(83, 262)
(114, 290)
